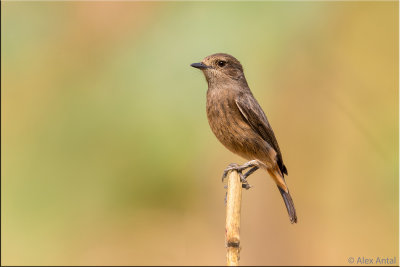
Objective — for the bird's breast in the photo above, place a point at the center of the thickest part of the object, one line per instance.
(229, 125)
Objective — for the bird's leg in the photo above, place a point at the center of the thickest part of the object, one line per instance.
(253, 164)
(240, 168)
(249, 172)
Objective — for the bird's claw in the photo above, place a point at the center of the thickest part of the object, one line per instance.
(244, 182)
(246, 186)
(231, 167)
(239, 169)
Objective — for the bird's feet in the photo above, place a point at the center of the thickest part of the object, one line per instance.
(231, 167)
(235, 167)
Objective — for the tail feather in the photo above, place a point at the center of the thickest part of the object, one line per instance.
(289, 205)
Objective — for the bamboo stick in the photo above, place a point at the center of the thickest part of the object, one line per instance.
(232, 226)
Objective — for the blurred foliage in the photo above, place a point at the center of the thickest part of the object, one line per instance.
(107, 157)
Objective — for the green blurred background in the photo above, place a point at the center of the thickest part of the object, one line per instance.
(108, 159)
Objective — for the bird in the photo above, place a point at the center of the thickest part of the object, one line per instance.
(239, 123)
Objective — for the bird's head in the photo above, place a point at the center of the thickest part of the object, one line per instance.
(220, 67)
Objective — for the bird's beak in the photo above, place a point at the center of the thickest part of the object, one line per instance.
(199, 65)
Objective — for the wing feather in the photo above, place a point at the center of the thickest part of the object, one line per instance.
(256, 118)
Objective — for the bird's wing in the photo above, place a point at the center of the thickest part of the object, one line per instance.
(257, 120)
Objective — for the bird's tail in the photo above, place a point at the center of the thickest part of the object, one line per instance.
(289, 205)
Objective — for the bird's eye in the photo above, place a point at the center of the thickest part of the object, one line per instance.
(221, 63)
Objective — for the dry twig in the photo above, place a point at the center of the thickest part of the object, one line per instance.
(232, 226)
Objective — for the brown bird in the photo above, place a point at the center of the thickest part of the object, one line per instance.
(239, 123)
